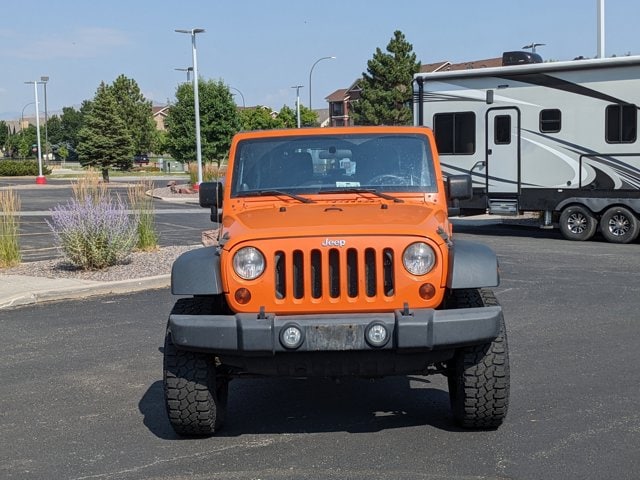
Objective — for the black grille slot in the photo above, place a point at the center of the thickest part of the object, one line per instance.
(316, 274)
(334, 273)
(370, 271)
(387, 265)
(352, 272)
(280, 275)
(298, 274)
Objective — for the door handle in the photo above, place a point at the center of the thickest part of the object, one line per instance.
(489, 151)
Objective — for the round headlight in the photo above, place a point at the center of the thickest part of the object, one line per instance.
(419, 258)
(248, 263)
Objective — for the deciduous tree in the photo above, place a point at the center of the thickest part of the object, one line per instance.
(219, 121)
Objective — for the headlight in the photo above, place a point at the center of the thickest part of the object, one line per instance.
(248, 263)
(419, 258)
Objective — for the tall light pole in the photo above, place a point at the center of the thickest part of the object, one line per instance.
(241, 95)
(44, 81)
(311, 72)
(40, 180)
(298, 87)
(196, 100)
(600, 29)
(188, 70)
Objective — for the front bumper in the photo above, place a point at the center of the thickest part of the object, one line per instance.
(416, 330)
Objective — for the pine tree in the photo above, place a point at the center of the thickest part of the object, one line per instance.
(136, 112)
(386, 87)
(104, 141)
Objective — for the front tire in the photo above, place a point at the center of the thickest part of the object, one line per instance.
(195, 397)
(478, 375)
(577, 223)
(619, 225)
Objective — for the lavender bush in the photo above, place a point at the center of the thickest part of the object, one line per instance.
(93, 234)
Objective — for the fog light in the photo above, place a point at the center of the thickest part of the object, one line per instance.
(291, 336)
(377, 334)
(243, 296)
(427, 291)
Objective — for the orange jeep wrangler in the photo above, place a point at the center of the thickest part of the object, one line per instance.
(335, 257)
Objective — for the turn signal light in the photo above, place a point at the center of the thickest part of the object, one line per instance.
(243, 296)
(427, 291)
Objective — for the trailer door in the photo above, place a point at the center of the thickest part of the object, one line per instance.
(503, 150)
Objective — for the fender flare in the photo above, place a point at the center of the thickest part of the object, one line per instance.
(197, 272)
(472, 265)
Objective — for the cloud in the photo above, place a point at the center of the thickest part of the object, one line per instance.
(80, 43)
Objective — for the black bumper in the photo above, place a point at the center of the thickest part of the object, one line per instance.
(248, 335)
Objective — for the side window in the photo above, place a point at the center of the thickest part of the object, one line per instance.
(550, 120)
(502, 130)
(621, 123)
(455, 133)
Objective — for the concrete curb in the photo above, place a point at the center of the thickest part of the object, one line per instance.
(84, 289)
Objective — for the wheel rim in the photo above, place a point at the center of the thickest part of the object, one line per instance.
(577, 223)
(619, 225)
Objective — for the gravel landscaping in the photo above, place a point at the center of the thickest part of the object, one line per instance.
(137, 265)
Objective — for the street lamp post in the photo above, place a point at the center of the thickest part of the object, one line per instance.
(40, 179)
(22, 116)
(188, 70)
(311, 72)
(241, 96)
(298, 87)
(196, 100)
(44, 81)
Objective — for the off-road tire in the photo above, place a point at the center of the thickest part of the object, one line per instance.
(478, 375)
(619, 225)
(195, 398)
(577, 223)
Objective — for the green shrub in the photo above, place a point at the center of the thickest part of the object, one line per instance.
(19, 168)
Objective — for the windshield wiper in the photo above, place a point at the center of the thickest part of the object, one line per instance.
(373, 191)
(264, 193)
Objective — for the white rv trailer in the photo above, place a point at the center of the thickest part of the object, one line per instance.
(559, 138)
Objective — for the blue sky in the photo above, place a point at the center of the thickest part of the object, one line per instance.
(262, 48)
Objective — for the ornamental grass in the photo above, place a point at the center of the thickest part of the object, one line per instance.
(9, 229)
(142, 205)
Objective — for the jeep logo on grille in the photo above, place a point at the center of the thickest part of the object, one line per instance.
(333, 243)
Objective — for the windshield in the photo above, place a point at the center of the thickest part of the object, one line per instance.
(313, 164)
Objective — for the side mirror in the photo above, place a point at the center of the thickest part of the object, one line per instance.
(459, 187)
(210, 195)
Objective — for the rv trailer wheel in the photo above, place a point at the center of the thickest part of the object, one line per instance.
(577, 223)
(619, 225)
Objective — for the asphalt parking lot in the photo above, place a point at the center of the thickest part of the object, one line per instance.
(82, 395)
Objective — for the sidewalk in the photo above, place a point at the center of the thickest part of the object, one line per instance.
(19, 290)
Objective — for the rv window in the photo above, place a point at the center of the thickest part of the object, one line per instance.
(550, 120)
(502, 130)
(455, 133)
(621, 123)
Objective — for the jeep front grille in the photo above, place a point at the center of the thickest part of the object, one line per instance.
(334, 273)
